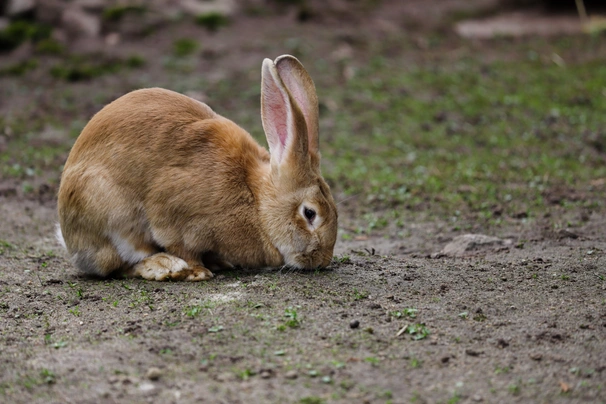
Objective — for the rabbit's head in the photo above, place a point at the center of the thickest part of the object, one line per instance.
(298, 207)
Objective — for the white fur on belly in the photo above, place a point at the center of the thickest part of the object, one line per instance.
(126, 251)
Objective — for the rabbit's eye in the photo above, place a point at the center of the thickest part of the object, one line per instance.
(310, 214)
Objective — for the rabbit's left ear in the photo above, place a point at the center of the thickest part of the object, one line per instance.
(303, 91)
(283, 121)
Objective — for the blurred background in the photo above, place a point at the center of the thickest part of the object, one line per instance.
(479, 112)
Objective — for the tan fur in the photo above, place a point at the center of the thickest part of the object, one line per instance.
(163, 174)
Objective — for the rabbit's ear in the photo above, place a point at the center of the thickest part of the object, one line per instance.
(303, 91)
(282, 119)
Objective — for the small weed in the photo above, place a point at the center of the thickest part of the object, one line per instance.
(464, 315)
(415, 362)
(417, 331)
(293, 319)
(60, 344)
(193, 311)
(373, 360)
(343, 259)
(409, 312)
(565, 277)
(359, 295)
(245, 374)
(514, 389)
(5, 246)
(215, 328)
(75, 311)
(456, 397)
(48, 376)
(501, 369)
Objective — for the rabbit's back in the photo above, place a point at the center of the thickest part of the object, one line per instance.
(144, 167)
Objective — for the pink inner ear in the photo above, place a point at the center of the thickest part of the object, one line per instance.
(276, 118)
(280, 118)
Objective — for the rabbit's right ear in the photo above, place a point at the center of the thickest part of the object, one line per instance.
(283, 121)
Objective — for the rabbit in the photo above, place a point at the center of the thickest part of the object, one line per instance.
(159, 186)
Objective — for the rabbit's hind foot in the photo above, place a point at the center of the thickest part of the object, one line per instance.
(164, 267)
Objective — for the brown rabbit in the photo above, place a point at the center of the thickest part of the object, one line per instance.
(159, 186)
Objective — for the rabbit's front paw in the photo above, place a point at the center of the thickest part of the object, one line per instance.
(162, 267)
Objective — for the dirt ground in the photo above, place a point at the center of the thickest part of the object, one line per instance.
(392, 320)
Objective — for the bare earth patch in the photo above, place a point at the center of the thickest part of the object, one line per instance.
(499, 325)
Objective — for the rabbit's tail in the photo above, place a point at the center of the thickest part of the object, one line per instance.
(59, 236)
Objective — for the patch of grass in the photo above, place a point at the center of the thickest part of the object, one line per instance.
(514, 389)
(184, 47)
(86, 67)
(468, 136)
(212, 21)
(373, 360)
(49, 46)
(116, 13)
(75, 311)
(311, 400)
(135, 61)
(501, 369)
(19, 68)
(6, 246)
(20, 31)
(454, 399)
